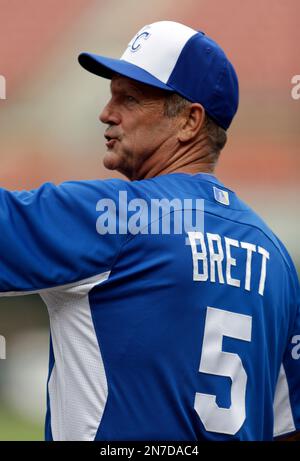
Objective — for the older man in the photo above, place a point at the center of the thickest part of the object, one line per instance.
(173, 307)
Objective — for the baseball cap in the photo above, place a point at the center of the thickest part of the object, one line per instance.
(178, 59)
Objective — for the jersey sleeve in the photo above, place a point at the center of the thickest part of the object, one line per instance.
(287, 395)
(49, 235)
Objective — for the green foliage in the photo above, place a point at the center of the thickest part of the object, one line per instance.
(13, 428)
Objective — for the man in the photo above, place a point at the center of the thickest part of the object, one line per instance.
(173, 308)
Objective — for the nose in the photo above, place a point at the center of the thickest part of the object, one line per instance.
(109, 114)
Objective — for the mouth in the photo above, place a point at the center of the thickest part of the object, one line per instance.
(110, 141)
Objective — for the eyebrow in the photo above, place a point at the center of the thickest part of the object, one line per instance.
(131, 86)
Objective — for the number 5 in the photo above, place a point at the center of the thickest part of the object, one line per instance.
(214, 361)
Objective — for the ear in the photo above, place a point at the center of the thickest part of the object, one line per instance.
(192, 121)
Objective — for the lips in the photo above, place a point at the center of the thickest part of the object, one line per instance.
(110, 143)
(110, 140)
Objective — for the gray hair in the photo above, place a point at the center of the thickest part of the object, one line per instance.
(217, 136)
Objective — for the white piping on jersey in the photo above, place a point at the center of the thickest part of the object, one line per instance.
(57, 287)
(283, 417)
(77, 385)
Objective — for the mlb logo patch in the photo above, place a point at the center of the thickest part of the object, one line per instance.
(221, 196)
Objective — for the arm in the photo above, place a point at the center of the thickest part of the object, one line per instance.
(48, 236)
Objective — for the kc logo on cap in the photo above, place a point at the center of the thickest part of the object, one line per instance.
(136, 43)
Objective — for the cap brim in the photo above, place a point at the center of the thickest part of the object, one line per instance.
(106, 67)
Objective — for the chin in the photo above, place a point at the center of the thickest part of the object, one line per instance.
(111, 160)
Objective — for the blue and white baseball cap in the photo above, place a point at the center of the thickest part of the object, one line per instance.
(176, 58)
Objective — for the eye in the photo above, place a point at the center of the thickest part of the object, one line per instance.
(129, 98)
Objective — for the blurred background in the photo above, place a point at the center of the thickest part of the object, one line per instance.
(49, 131)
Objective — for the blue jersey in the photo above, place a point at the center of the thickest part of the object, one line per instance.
(159, 331)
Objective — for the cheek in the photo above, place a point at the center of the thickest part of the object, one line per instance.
(145, 143)
(138, 139)
(157, 134)
(152, 133)
(145, 137)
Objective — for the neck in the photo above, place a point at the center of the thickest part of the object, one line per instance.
(191, 159)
